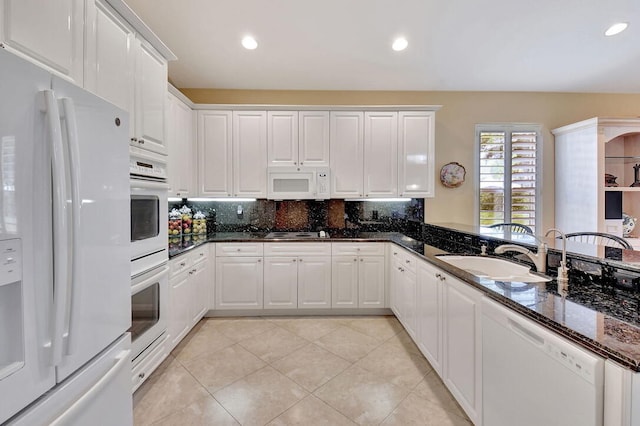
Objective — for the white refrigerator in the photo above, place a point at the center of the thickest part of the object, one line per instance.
(65, 292)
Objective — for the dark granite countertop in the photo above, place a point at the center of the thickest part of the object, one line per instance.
(608, 325)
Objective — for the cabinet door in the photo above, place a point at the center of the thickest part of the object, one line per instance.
(180, 296)
(344, 282)
(181, 147)
(239, 283)
(416, 153)
(214, 154)
(346, 154)
(409, 302)
(371, 288)
(250, 154)
(109, 62)
(282, 138)
(314, 138)
(429, 315)
(314, 282)
(150, 98)
(462, 363)
(395, 286)
(49, 33)
(381, 154)
(280, 282)
(200, 292)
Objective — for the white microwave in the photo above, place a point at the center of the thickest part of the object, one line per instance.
(298, 183)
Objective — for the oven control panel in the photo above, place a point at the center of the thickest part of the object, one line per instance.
(147, 164)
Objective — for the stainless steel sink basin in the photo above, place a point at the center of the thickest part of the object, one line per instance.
(493, 268)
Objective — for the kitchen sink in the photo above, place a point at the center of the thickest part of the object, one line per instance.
(493, 268)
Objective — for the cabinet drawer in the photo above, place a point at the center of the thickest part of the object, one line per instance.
(239, 249)
(404, 258)
(297, 249)
(364, 249)
(151, 361)
(199, 254)
(179, 264)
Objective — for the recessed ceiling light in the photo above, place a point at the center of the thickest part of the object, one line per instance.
(616, 28)
(399, 44)
(249, 43)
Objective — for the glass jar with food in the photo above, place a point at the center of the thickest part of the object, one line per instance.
(199, 223)
(175, 223)
(187, 220)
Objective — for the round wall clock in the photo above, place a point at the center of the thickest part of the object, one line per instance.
(452, 175)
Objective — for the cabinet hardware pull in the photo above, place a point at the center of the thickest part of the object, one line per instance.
(141, 375)
(294, 260)
(361, 260)
(183, 264)
(141, 141)
(134, 139)
(407, 261)
(259, 260)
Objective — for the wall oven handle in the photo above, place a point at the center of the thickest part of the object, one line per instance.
(60, 225)
(73, 148)
(149, 280)
(148, 184)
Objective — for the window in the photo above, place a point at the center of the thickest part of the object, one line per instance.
(508, 170)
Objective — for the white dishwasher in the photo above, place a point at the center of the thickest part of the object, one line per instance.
(532, 377)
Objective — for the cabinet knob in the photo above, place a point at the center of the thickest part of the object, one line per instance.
(141, 141)
(407, 261)
(301, 163)
(300, 260)
(141, 375)
(294, 260)
(361, 260)
(355, 260)
(182, 263)
(295, 163)
(201, 254)
(259, 260)
(238, 249)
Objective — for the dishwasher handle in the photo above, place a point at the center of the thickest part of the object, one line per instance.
(525, 332)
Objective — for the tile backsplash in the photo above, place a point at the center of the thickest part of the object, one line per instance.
(267, 215)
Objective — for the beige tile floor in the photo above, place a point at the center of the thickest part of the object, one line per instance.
(296, 371)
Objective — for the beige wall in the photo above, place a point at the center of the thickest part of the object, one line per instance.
(455, 126)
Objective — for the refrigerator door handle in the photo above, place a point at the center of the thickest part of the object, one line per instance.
(60, 224)
(122, 361)
(73, 148)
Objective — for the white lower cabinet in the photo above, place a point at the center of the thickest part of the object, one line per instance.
(280, 283)
(239, 276)
(403, 288)
(429, 314)
(462, 344)
(297, 275)
(189, 285)
(358, 278)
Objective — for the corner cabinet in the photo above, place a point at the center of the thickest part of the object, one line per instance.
(49, 33)
(584, 153)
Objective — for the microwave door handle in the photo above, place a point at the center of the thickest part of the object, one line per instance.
(73, 148)
(60, 222)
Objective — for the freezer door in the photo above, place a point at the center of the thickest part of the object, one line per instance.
(100, 393)
(26, 366)
(97, 296)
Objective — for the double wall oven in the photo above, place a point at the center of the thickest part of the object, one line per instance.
(149, 258)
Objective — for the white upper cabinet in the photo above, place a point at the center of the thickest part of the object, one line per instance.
(214, 154)
(109, 55)
(381, 154)
(347, 152)
(150, 98)
(49, 33)
(298, 138)
(416, 153)
(181, 147)
(282, 138)
(250, 154)
(313, 145)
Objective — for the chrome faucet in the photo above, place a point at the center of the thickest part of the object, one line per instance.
(563, 271)
(539, 259)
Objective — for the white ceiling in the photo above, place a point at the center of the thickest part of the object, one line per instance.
(496, 45)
